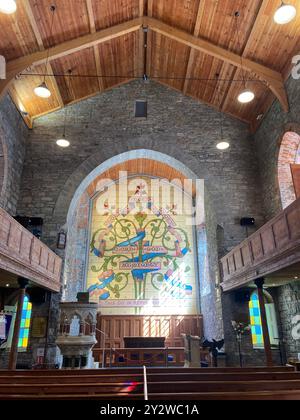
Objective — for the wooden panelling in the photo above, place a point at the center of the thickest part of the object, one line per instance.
(172, 62)
(24, 255)
(272, 248)
(111, 12)
(116, 327)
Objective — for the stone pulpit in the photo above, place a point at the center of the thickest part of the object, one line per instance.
(77, 334)
(194, 355)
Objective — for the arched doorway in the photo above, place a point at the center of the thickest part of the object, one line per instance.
(289, 168)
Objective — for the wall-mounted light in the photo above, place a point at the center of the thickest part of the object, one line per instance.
(285, 14)
(61, 240)
(8, 6)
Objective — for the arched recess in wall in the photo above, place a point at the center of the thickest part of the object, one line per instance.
(289, 168)
(156, 165)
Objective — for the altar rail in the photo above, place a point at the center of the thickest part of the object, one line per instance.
(273, 247)
(22, 254)
(130, 357)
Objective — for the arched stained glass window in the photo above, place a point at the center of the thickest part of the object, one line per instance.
(255, 321)
(25, 325)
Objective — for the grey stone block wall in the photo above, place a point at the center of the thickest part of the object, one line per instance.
(267, 142)
(13, 135)
(178, 126)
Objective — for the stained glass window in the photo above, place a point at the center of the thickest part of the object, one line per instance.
(25, 325)
(255, 320)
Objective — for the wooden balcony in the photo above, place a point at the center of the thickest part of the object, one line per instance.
(274, 247)
(22, 254)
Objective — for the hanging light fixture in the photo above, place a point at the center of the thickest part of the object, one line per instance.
(222, 145)
(42, 91)
(8, 6)
(285, 13)
(63, 142)
(246, 96)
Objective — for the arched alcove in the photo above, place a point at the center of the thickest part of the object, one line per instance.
(136, 163)
(289, 157)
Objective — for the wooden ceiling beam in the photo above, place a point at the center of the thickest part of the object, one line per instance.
(192, 51)
(253, 34)
(39, 40)
(272, 78)
(19, 65)
(96, 49)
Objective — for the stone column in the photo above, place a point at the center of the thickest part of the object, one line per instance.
(12, 364)
(267, 344)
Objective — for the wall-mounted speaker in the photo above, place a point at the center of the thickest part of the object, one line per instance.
(242, 296)
(37, 296)
(247, 221)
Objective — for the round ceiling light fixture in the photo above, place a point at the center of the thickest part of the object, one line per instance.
(8, 6)
(285, 14)
(63, 143)
(246, 96)
(42, 91)
(224, 145)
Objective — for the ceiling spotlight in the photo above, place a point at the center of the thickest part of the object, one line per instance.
(8, 6)
(63, 143)
(223, 145)
(246, 96)
(7, 285)
(42, 91)
(285, 14)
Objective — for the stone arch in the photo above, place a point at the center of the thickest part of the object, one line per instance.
(79, 204)
(289, 154)
(101, 161)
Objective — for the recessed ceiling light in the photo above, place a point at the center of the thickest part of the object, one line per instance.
(223, 145)
(63, 143)
(8, 6)
(42, 91)
(246, 96)
(285, 14)
(7, 285)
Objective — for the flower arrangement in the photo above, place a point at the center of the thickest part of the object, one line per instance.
(240, 328)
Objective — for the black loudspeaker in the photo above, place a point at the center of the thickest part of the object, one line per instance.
(37, 296)
(242, 296)
(247, 221)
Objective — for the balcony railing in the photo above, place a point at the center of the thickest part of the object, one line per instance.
(24, 255)
(272, 248)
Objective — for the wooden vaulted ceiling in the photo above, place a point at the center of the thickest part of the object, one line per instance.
(189, 42)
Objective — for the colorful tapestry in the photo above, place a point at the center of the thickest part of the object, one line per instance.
(141, 257)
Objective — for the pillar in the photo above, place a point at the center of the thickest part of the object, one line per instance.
(15, 340)
(267, 345)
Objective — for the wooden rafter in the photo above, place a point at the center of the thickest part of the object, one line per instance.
(273, 79)
(250, 39)
(17, 66)
(192, 51)
(40, 43)
(96, 50)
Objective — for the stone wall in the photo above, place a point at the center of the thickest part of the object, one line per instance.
(288, 304)
(13, 136)
(268, 140)
(103, 127)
